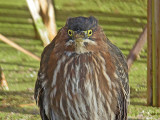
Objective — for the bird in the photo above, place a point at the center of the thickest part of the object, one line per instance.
(82, 75)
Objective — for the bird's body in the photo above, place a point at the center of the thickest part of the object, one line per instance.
(82, 76)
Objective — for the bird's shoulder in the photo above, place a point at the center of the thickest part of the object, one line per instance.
(121, 66)
(44, 66)
(41, 77)
(122, 74)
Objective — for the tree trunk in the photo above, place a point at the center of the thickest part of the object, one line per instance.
(41, 29)
(48, 15)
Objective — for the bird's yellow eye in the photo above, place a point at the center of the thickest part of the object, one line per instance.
(70, 32)
(89, 32)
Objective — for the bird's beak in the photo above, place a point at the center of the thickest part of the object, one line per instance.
(79, 37)
(79, 40)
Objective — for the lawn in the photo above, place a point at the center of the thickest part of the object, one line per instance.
(122, 21)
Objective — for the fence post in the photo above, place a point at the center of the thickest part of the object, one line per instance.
(153, 64)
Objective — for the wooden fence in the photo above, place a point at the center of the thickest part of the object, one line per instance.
(153, 77)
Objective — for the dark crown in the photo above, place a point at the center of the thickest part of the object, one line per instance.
(82, 23)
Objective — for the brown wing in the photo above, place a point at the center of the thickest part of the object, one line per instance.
(122, 73)
(39, 88)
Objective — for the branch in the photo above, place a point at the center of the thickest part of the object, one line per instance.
(3, 82)
(137, 48)
(38, 22)
(14, 45)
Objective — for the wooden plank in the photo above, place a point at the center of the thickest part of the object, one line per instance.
(137, 47)
(153, 77)
(38, 22)
(149, 55)
(3, 82)
(14, 45)
(157, 57)
(48, 15)
(154, 91)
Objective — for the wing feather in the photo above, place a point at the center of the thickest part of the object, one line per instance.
(39, 86)
(122, 73)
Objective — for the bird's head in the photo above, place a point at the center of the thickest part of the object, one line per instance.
(81, 34)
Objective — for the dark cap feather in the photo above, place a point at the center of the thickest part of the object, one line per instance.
(82, 23)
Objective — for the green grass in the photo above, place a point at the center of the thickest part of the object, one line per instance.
(122, 22)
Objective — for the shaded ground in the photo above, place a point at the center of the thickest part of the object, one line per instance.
(122, 21)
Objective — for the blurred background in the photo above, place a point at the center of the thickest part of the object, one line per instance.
(123, 22)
